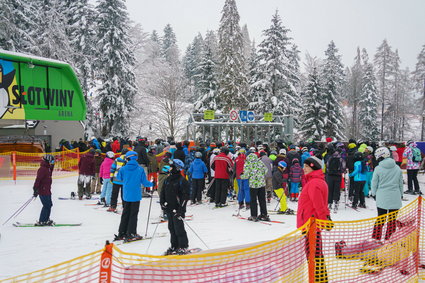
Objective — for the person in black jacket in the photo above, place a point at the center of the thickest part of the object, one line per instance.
(142, 154)
(173, 200)
(179, 153)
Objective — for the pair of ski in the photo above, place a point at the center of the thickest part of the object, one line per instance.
(19, 224)
(187, 218)
(76, 198)
(121, 242)
(260, 221)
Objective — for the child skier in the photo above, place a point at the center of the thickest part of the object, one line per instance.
(295, 175)
(280, 187)
(173, 200)
(42, 187)
(132, 176)
(116, 183)
(243, 185)
(197, 172)
(104, 176)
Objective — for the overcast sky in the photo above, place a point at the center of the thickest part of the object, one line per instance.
(313, 23)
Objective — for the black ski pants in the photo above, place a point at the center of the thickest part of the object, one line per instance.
(128, 224)
(412, 179)
(116, 188)
(380, 222)
(47, 207)
(221, 188)
(178, 233)
(259, 193)
(198, 185)
(358, 192)
(334, 188)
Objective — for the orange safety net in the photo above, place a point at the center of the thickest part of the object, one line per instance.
(320, 251)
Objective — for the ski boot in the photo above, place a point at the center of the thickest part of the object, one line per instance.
(72, 195)
(182, 251)
(335, 206)
(170, 251)
(241, 206)
(263, 218)
(253, 218)
(119, 237)
(132, 237)
(102, 201)
(112, 209)
(247, 207)
(338, 249)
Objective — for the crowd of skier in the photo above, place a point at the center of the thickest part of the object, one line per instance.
(252, 174)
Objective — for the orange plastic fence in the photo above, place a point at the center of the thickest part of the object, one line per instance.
(320, 251)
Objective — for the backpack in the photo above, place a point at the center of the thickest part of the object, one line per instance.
(416, 154)
(334, 167)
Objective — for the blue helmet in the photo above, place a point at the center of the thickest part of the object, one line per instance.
(282, 164)
(131, 155)
(178, 164)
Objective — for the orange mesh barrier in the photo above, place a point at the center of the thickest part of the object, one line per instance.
(320, 251)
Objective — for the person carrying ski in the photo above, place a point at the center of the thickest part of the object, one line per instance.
(387, 189)
(280, 187)
(255, 171)
(173, 199)
(104, 177)
(86, 173)
(42, 187)
(295, 175)
(197, 172)
(132, 176)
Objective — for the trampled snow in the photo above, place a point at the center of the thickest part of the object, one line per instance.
(24, 250)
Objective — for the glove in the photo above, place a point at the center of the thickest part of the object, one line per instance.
(111, 179)
(35, 194)
(164, 206)
(101, 180)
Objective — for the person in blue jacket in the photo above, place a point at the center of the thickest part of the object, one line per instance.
(197, 171)
(359, 175)
(132, 176)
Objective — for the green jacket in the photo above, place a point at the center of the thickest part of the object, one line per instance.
(255, 171)
(387, 184)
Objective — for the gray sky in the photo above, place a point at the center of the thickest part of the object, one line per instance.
(313, 23)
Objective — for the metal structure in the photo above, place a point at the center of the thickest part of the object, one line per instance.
(223, 128)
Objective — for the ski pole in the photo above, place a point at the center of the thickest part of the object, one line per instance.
(153, 235)
(17, 212)
(149, 214)
(181, 218)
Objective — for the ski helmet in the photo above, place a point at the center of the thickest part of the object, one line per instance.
(178, 164)
(282, 164)
(274, 152)
(393, 148)
(252, 149)
(370, 149)
(382, 152)
(282, 151)
(49, 158)
(304, 149)
(198, 154)
(110, 154)
(358, 156)
(131, 155)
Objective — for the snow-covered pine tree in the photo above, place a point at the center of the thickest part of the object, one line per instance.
(271, 88)
(419, 83)
(368, 102)
(312, 122)
(169, 48)
(16, 24)
(384, 67)
(333, 78)
(247, 46)
(207, 70)
(117, 81)
(353, 91)
(233, 83)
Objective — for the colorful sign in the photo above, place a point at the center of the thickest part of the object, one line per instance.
(243, 115)
(268, 117)
(34, 88)
(251, 116)
(233, 115)
(209, 115)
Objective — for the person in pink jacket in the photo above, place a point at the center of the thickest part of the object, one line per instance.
(104, 175)
(313, 202)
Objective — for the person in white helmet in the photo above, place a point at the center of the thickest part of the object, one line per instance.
(387, 189)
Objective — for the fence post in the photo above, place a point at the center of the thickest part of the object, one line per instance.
(14, 165)
(418, 246)
(106, 264)
(311, 240)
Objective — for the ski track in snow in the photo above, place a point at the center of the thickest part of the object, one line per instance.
(24, 250)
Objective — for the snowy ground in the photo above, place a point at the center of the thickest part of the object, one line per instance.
(24, 250)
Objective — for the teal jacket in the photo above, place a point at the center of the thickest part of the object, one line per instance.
(387, 184)
(357, 173)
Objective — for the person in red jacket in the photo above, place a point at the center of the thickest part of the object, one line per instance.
(116, 145)
(42, 187)
(222, 166)
(313, 202)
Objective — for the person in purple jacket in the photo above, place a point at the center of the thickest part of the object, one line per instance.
(86, 173)
(42, 187)
(295, 175)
